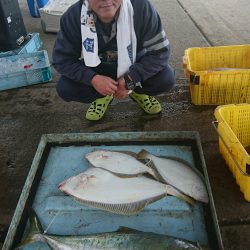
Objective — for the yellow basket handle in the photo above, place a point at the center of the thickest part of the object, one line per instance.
(215, 125)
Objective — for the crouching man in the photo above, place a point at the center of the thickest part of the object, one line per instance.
(109, 49)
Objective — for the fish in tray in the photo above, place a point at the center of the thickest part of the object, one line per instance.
(178, 174)
(122, 239)
(99, 188)
(121, 163)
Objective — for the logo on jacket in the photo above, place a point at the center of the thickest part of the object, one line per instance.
(88, 21)
(89, 45)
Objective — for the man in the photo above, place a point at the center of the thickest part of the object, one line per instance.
(109, 49)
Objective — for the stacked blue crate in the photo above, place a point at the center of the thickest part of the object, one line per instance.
(33, 43)
(25, 65)
(24, 69)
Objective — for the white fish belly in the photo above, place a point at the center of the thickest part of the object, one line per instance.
(117, 162)
(98, 185)
(182, 177)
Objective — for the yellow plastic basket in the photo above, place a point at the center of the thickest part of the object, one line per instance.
(218, 75)
(234, 130)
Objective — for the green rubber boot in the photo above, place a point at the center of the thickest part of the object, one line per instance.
(148, 103)
(98, 107)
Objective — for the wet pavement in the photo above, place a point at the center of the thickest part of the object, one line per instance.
(29, 112)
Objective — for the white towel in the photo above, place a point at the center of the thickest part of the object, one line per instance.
(126, 38)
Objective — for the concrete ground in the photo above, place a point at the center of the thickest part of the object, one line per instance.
(27, 113)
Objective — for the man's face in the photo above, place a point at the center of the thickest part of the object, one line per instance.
(105, 9)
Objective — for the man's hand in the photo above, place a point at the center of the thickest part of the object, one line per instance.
(121, 92)
(104, 85)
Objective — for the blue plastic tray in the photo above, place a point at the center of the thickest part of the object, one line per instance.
(24, 69)
(33, 44)
(60, 156)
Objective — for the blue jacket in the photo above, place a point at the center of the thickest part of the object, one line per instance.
(152, 44)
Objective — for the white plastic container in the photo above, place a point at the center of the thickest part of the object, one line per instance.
(52, 12)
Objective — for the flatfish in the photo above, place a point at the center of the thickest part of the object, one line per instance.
(178, 174)
(99, 188)
(120, 163)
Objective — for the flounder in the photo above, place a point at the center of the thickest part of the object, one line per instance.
(178, 174)
(120, 163)
(99, 188)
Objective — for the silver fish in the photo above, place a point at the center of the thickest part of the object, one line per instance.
(99, 188)
(121, 163)
(179, 175)
(123, 239)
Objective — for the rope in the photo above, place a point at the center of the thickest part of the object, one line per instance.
(46, 230)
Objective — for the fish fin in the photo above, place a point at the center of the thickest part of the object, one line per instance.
(119, 174)
(153, 170)
(123, 208)
(175, 192)
(155, 174)
(149, 163)
(127, 230)
(130, 153)
(143, 154)
(34, 228)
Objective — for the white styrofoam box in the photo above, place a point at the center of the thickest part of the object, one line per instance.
(52, 12)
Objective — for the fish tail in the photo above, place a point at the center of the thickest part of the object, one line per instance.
(35, 228)
(154, 174)
(144, 157)
(142, 154)
(173, 191)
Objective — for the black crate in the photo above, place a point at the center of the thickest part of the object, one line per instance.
(12, 29)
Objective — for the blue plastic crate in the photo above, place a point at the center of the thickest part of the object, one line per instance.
(33, 44)
(24, 69)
